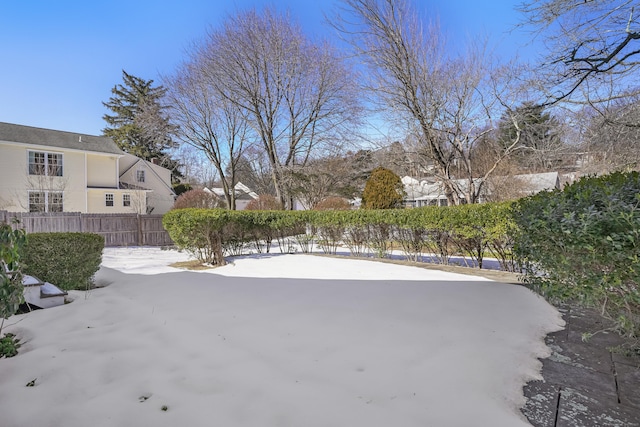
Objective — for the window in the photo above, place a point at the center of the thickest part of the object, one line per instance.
(37, 201)
(45, 201)
(140, 176)
(54, 201)
(108, 199)
(54, 164)
(36, 163)
(126, 200)
(48, 164)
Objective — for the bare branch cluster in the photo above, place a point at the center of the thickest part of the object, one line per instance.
(259, 81)
(446, 102)
(592, 46)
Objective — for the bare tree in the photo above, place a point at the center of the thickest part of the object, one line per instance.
(208, 121)
(296, 95)
(322, 178)
(610, 137)
(445, 102)
(593, 45)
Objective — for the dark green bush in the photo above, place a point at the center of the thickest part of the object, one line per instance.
(9, 345)
(199, 231)
(582, 244)
(181, 188)
(68, 260)
(11, 289)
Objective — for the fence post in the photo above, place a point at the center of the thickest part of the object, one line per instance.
(140, 236)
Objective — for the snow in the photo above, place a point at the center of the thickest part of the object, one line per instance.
(30, 281)
(276, 340)
(50, 289)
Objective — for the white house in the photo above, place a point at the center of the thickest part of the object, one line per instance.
(43, 170)
(244, 195)
(425, 193)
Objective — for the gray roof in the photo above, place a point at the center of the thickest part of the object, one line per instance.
(54, 138)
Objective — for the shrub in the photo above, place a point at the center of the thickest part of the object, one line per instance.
(11, 289)
(198, 231)
(68, 260)
(265, 202)
(383, 190)
(582, 244)
(181, 188)
(9, 345)
(206, 233)
(198, 199)
(333, 203)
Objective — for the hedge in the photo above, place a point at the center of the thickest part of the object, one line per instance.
(582, 244)
(471, 230)
(68, 260)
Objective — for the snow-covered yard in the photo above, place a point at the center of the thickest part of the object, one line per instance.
(276, 340)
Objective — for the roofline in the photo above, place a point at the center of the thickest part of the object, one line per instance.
(54, 148)
(150, 168)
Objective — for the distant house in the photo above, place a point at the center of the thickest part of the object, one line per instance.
(244, 195)
(425, 193)
(43, 170)
(153, 178)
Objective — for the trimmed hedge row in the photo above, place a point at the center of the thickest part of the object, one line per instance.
(472, 230)
(68, 260)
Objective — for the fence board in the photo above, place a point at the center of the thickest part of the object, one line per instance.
(117, 229)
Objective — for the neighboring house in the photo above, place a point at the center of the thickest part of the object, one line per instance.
(244, 195)
(43, 170)
(425, 193)
(153, 178)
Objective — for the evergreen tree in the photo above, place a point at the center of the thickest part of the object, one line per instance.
(139, 125)
(383, 190)
(540, 143)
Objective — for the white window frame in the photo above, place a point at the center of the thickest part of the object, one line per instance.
(140, 175)
(50, 199)
(48, 166)
(108, 198)
(126, 200)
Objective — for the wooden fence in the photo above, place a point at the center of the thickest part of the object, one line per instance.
(117, 229)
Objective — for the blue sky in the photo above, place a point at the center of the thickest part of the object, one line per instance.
(60, 59)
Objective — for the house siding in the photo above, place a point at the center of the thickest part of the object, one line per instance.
(96, 201)
(102, 171)
(15, 181)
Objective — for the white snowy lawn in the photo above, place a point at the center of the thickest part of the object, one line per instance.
(276, 340)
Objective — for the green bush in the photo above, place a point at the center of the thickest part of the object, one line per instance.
(582, 244)
(198, 231)
(181, 188)
(383, 190)
(68, 260)
(469, 229)
(11, 289)
(9, 345)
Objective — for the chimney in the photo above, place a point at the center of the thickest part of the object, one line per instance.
(155, 161)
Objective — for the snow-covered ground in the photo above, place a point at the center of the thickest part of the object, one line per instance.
(276, 340)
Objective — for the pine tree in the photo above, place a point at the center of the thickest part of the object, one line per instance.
(139, 125)
(540, 142)
(383, 190)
